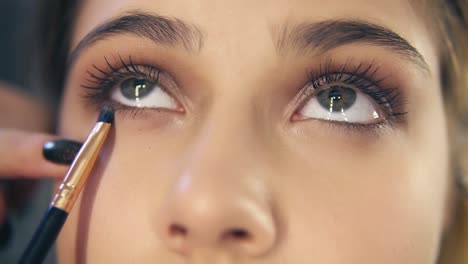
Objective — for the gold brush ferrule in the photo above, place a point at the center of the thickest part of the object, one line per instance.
(81, 167)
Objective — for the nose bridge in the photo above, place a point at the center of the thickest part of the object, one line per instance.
(226, 142)
(220, 140)
(220, 200)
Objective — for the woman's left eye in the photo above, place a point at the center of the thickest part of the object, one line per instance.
(341, 103)
(141, 92)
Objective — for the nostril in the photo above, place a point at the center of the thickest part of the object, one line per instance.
(237, 234)
(177, 230)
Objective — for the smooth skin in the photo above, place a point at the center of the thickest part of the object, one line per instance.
(232, 177)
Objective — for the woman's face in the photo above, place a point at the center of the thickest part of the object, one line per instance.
(258, 132)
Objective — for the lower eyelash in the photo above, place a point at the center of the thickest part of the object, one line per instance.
(368, 130)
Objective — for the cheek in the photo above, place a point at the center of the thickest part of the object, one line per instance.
(371, 206)
(123, 195)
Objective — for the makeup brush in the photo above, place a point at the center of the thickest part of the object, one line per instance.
(68, 191)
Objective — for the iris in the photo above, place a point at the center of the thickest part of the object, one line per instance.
(336, 98)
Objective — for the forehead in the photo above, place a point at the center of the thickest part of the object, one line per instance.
(259, 19)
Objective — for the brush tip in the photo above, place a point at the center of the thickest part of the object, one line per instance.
(107, 115)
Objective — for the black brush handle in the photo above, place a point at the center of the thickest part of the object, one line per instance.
(44, 237)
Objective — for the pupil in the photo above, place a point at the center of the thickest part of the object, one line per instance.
(136, 88)
(336, 98)
(334, 95)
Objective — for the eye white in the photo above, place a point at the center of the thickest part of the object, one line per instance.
(143, 96)
(363, 110)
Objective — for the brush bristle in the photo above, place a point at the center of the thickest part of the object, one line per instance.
(107, 115)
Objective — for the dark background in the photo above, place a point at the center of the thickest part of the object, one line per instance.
(16, 18)
(16, 45)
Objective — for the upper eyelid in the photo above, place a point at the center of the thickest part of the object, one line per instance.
(115, 71)
(120, 69)
(322, 35)
(351, 79)
(362, 72)
(164, 30)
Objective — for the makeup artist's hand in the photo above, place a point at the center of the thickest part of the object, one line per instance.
(22, 159)
(30, 155)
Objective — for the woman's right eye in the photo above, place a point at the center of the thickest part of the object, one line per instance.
(126, 85)
(141, 92)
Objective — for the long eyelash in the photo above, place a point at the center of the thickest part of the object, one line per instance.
(364, 78)
(101, 81)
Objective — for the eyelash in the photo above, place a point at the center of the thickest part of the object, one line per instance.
(98, 92)
(362, 77)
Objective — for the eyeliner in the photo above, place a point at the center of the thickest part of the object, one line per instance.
(68, 191)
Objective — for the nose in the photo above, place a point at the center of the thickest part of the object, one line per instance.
(203, 219)
(219, 203)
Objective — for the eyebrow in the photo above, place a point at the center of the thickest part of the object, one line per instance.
(327, 35)
(323, 36)
(166, 31)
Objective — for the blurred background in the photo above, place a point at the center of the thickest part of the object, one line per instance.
(15, 47)
(16, 44)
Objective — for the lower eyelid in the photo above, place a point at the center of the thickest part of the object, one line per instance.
(385, 107)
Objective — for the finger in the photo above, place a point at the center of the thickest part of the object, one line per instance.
(22, 155)
(22, 111)
(61, 151)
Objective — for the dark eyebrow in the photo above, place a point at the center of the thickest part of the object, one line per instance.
(330, 34)
(165, 31)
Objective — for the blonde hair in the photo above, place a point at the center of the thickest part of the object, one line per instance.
(451, 22)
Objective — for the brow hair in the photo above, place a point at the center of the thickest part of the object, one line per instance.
(167, 31)
(330, 34)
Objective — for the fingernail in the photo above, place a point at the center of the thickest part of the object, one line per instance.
(61, 151)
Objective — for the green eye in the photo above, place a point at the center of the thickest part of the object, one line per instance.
(141, 92)
(342, 104)
(336, 98)
(135, 89)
